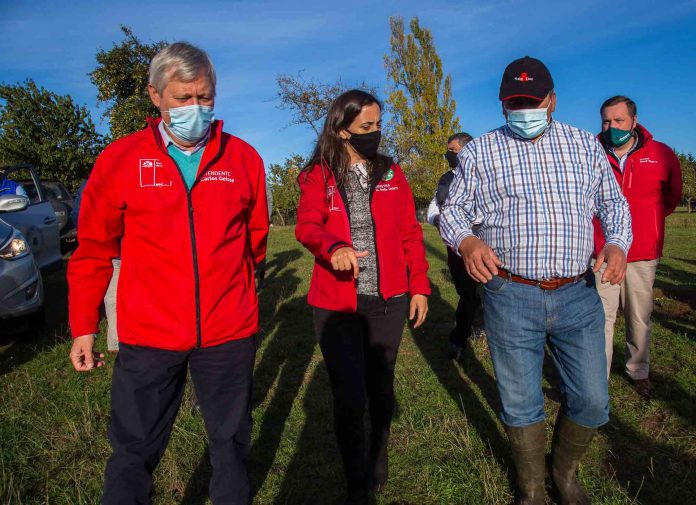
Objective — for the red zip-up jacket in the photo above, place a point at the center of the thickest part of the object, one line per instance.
(187, 257)
(652, 184)
(323, 226)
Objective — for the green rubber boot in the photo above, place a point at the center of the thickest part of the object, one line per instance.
(528, 453)
(570, 442)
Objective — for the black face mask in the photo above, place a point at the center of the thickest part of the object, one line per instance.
(452, 159)
(366, 143)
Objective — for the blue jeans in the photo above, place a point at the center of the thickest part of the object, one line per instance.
(520, 319)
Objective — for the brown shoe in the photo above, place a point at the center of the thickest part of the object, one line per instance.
(643, 387)
(570, 442)
(528, 453)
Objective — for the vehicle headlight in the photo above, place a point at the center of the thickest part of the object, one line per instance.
(15, 248)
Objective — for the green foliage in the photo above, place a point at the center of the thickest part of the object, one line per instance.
(121, 78)
(49, 131)
(688, 168)
(421, 106)
(286, 191)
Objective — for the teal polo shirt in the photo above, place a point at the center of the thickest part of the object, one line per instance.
(187, 161)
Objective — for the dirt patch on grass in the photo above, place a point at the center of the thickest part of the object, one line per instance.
(677, 306)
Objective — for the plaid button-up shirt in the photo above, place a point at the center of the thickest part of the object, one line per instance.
(533, 202)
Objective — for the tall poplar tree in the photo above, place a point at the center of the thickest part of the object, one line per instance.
(421, 106)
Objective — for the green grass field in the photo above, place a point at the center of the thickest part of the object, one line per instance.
(448, 445)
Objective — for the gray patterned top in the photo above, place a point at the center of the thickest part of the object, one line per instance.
(362, 229)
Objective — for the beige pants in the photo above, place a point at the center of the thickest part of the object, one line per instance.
(635, 295)
(110, 308)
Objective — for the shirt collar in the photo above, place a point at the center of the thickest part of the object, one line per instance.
(167, 139)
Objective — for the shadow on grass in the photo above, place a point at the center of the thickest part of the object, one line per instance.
(314, 475)
(677, 313)
(283, 362)
(432, 346)
(650, 472)
(21, 340)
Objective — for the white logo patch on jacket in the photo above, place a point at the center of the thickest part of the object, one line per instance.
(152, 175)
(330, 194)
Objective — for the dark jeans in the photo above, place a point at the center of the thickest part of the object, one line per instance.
(360, 350)
(147, 387)
(469, 300)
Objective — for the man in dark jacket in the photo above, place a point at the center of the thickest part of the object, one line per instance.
(469, 305)
(650, 178)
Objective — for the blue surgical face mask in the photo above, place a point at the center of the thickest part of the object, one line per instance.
(528, 123)
(190, 123)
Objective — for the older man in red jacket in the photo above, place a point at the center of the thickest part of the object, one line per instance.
(184, 206)
(650, 178)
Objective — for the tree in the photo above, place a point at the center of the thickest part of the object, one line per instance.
(49, 131)
(421, 106)
(121, 78)
(688, 169)
(309, 101)
(286, 191)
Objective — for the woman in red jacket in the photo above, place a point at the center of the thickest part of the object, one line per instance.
(356, 215)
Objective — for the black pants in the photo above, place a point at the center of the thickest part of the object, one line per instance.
(469, 301)
(147, 387)
(360, 354)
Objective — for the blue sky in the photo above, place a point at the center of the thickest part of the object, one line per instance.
(594, 49)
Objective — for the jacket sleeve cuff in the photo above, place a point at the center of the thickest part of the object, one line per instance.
(420, 286)
(335, 246)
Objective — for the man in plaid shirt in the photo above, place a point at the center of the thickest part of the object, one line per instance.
(530, 190)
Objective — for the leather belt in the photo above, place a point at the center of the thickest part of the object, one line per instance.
(547, 285)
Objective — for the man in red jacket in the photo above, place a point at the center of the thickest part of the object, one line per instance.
(184, 206)
(650, 178)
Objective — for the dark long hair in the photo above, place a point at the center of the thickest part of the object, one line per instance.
(331, 151)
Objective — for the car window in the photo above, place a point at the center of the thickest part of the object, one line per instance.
(56, 191)
(23, 177)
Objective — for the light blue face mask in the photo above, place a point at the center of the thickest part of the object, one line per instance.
(528, 123)
(190, 123)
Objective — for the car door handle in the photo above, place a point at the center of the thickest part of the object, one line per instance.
(49, 220)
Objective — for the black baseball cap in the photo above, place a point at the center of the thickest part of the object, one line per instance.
(526, 77)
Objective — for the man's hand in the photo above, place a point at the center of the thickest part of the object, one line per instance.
(615, 259)
(82, 356)
(419, 306)
(479, 259)
(346, 258)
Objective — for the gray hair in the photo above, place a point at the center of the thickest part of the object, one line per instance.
(181, 61)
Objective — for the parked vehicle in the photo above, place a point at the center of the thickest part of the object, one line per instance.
(37, 222)
(62, 202)
(21, 287)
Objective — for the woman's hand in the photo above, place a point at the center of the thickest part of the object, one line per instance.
(419, 305)
(346, 258)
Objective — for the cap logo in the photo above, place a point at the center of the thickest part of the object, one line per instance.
(524, 77)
